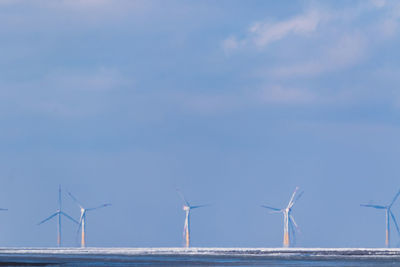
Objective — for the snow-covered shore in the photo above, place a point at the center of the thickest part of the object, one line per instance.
(188, 256)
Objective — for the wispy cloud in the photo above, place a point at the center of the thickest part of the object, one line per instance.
(67, 14)
(277, 94)
(265, 33)
(219, 103)
(316, 45)
(388, 26)
(345, 52)
(101, 79)
(64, 93)
(262, 34)
(378, 3)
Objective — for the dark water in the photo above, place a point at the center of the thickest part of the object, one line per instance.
(197, 257)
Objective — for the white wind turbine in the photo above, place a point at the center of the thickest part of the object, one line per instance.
(82, 220)
(388, 215)
(289, 224)
(59, 213)
(187, 208)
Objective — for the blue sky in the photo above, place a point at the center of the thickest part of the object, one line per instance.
(234, 102)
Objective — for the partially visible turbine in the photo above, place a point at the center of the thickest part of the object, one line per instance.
(58, 213)
(82, 220)
(187, 208)
(289, 224)
(388, 215)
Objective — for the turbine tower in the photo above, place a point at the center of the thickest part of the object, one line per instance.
(82, 220)
(389, 215)
(187, 208)
(59, 213)
(289, 224)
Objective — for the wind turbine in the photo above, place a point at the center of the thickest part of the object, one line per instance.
(289, 224)
(58, 213)
(388, 214)
(82, 220)
(187, 208)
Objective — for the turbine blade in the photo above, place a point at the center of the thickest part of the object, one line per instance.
(3, 209)
(80, 223)
(183, 197)
(297, 198)
(59, 197)
(49, 218)
(77, 231)
(271, 208)
(373, 206)
(292, 232)
(394, 199)
(75, 200)
(291, 219)
(101, 206)
(395, 222)
(200, 206)
(292, 198)
(69, 217)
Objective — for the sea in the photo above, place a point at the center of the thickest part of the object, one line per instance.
(199, 257)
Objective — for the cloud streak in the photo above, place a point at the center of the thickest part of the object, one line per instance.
(297, 55)
(266, 33)
(261, 34)
(349, 50)
(290, 96)
(64, 93)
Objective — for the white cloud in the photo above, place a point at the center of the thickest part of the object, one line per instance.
(212, 103)
(378, 3)
(281, 95)
(102, 79)
(230, 44)
(85, 3)
(265, 33)
(389, 27)
(64, 93)
(61, 15)
(327, 41)
(349, 50)
(262, 34)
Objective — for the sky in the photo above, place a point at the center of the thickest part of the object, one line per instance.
(233, 102)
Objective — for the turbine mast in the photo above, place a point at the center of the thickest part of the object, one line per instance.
(59, 230)
(59, 217)
(187, 228)
(83, 237)
(387, 241)
(286, 238)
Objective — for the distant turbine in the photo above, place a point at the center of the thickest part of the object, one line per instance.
(58, 213)
(388, 212)
(187, 208)
(82, 220)
(289, 224)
